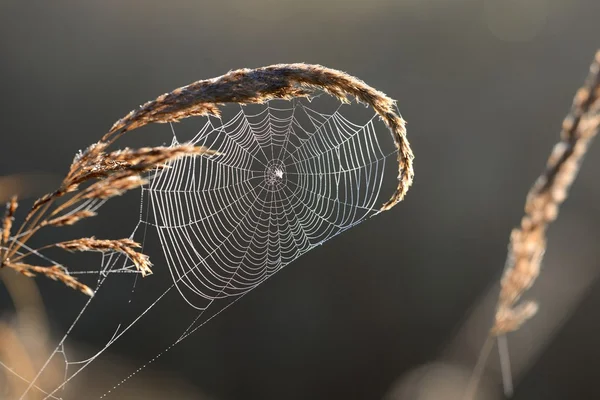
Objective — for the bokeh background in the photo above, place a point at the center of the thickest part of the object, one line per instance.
(397, 307)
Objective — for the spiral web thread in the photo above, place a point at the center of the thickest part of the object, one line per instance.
(286, 180)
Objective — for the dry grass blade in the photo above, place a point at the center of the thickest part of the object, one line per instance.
(156, 155)
(114, 185)
(123, 246)
(281, 81)
(54, 272)
(11, 208)
(528, 242)
(510, 319)
(139, 160)
(45, 199)
(69, 219)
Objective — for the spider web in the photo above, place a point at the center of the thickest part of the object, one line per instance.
(287, 179)
(228, 222)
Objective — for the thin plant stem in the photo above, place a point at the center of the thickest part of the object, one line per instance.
(477, 373)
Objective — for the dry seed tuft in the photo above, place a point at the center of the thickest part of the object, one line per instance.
(54, 272)
(123, 246)
(114, 185)
(103, 165)
(510, 319)
(69, 219)
(280, 81)
(528, 242)
(11, 208)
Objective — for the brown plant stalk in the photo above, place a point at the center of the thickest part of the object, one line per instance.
(280, 81)
(528, 242)
(99, 174)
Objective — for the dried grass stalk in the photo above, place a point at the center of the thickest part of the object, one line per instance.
(11, 208)
(54, 272)
(510, 319)
(114, 185)
(123, 246)
(528, 242)
(158, 155)
(280, 81)
(102, 165)
(69, 219)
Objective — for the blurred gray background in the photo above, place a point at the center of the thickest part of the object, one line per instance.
(484, 86)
